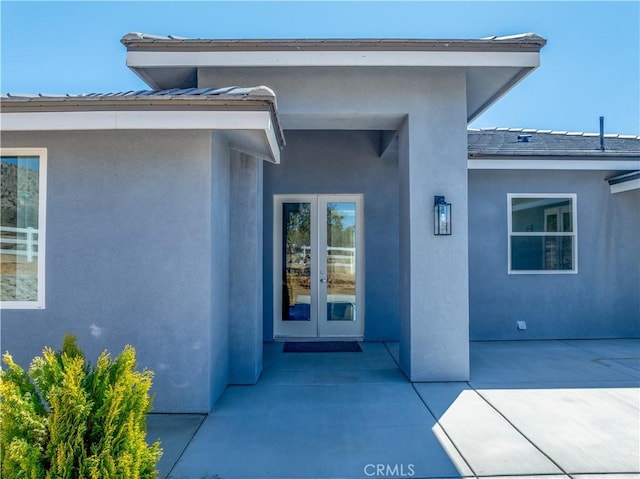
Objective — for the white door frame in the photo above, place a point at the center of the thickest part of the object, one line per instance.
(318, 327)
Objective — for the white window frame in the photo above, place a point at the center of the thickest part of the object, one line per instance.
(41, 153)
(574, 201)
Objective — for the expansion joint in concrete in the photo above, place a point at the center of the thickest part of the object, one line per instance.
(518, 430)
(444, 431)
(204, 416)
(434, 416)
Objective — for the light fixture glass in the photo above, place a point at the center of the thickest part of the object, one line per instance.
(441, 216)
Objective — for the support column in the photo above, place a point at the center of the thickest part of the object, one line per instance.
(220, 213)
(245, 269)
(434, 311)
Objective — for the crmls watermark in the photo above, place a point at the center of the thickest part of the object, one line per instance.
(389, 470)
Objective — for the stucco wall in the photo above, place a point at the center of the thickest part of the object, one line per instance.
(434, 308)
(600, 301)
(220, 200)
(128, 255)
(343, 162)
(348, 97)
(427, 106)
(245, 269)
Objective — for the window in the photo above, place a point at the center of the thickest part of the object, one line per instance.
(542, 233)
(22, 227)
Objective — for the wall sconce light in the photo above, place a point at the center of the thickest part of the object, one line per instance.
(441, 216)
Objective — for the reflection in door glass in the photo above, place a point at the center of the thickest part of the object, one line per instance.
(296, 262)
(341, 261)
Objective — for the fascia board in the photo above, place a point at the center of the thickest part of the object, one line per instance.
(142, 59)
(593, 165)
(135, 120)
(273, 143)
(144, 120)
(626, 186)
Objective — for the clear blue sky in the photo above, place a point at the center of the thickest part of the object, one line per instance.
(590, 66)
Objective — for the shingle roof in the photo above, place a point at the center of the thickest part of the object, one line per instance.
(531, 142)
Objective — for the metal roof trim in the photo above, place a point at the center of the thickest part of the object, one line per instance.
(520, 42)
(233, 92)
(261, 96)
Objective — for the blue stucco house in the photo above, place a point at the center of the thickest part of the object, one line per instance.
(270, 190)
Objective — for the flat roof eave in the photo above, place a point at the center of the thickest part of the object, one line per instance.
(249, 131)
(167, 62)
(148, 42)
(144, 59)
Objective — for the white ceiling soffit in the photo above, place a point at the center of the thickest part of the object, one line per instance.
(485, 86)
(251, 132)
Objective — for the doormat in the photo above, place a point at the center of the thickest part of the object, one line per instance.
(322, 347)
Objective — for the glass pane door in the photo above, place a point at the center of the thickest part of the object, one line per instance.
(340, 266)
(341, 261)
(318, 266)
(296, 261)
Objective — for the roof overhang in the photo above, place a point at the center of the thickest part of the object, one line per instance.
(493, 65)
(563, 160)
(555, 160)
(625, 182)
(251, 125)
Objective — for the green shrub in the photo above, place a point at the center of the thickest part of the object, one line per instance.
(65, 419)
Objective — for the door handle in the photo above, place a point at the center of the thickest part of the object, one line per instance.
(322, 280)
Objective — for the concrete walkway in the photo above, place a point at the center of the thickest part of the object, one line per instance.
(538, 408)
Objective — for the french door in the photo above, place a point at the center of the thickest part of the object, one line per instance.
(318, 266)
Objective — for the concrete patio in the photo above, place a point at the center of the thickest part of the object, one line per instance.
(537, 408)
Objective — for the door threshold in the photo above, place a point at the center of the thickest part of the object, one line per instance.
(282, 339)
